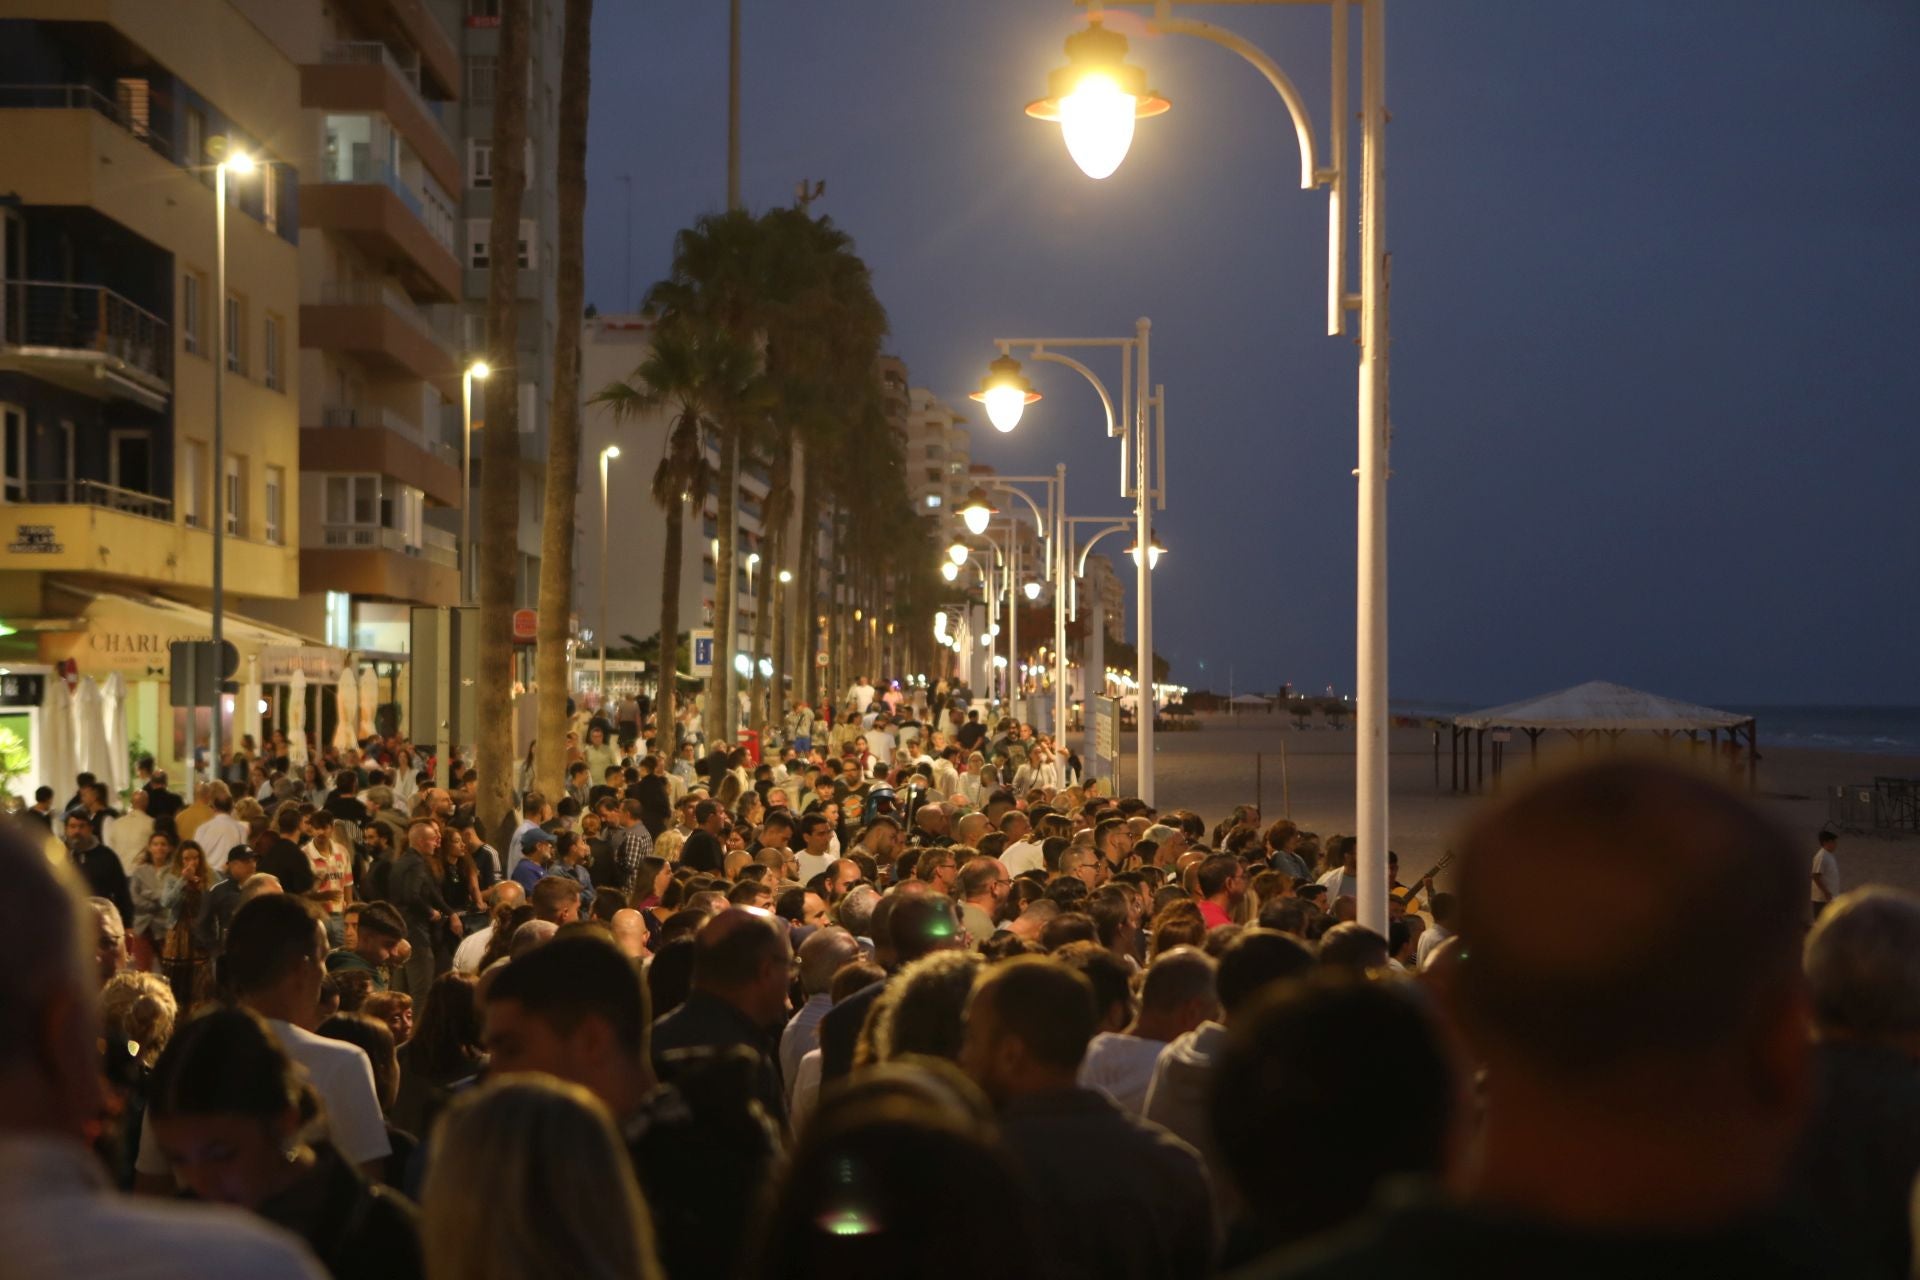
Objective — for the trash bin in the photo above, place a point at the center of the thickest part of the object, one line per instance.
(750, 739)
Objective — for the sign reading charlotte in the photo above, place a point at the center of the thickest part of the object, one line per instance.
(34, 540)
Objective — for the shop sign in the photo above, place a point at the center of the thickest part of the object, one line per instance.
(34, 540)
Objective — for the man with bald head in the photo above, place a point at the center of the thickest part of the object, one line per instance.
(1647, 1072)
(969, 829)
(466, 957)
(932, 825)
(742, 963)
(823, 954)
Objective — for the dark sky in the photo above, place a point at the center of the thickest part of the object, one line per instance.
(1656, 312)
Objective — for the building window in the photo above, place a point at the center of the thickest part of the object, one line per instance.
(270, 195)
(235, 495)
(191, 287)
(193, 487)
(482, 70)
(196, 152)
(236, 335)
(477, 244)
(276, 528)
(13, 423)
(933, 500)
(479, 162)
(270, 356)
(353, 500)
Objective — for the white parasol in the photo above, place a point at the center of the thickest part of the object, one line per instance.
(346, 699)
(90, 731)
(115, 695)
(369, 700)
(55, 750)
(246, 712)
(297, 719)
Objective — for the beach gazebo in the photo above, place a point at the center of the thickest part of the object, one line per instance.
(1596, 709)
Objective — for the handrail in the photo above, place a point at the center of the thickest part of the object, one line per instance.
(67, 97)
(372, 52)
(67, 315)
(93, 493)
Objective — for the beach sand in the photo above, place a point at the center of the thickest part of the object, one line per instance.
(1232, 760)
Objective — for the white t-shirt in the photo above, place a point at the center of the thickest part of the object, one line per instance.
(812, 864)
(217, 835)
(1024, 856)
(1429, 943)
(466, 956)
(1121, 1067)
(340, 1074)
(1340, 884)
(1827, 868)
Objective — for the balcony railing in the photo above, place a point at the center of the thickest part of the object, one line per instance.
(91, 493)
(435, 325)
(437, 547)
(373, 53)
(56, 316)
(379, 417)
(71, 97)
(434, 209)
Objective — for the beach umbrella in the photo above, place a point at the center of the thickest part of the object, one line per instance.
(297, 719)
(115, 695)
(369, 700)
(94, 756)
(346, 699)
(55, 749)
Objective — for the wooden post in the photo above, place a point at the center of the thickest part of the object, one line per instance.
(1753, 755)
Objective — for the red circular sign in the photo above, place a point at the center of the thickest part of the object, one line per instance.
(526, 625)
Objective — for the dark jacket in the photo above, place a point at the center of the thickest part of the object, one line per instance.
(288, 863)
(359, 1231)
(701, 1152)
(100, 867)
(840, 1030)
(414, 890)
(706, 1023)
(1855, 1170)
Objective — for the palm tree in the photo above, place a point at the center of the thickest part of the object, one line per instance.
(563, 421)
(499, 452)
(698, 377)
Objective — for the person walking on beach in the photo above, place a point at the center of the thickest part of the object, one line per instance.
(1826, 872)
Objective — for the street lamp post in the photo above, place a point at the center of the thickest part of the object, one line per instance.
(1093, 663)
(237, 163)
(1140, 425)
(475, 372)
(610, 452)
(1047, 525)
(1097, 98)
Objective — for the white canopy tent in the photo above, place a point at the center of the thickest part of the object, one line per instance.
(1597, 708)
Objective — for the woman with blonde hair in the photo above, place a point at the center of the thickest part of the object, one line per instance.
(667, 845)
(550, 1150)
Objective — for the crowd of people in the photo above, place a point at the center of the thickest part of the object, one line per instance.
(906, 997)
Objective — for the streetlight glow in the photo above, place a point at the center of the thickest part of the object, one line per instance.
(1033, 590)
(950, 571)
(1005, 393)
(1155, 550)
(238, 162)
(978, 511)
(786, 576)
(612, 451)
(957, 554)
(479, 370)
(1096, 98)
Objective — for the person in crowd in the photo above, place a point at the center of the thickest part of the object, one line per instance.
(221, 832)
(1648, 1073)
(741, 968)
(415, 891)
(374, 1037)
(274, 961)
(445, 1050)
(500, 898)
(380, 940)
(98, 865)
(551, 1150)
(577, 1009)
(1120, 1197)
(982, 889)
(909, 922)
(146, 885)
(1183, 1078)
(1336, 1043)
(1177, 997)
(1856, 1166)
(59, 1214)
(127, 835)
(1826, 871)
(138, 1014)
(1444, 908)
(230, 1112)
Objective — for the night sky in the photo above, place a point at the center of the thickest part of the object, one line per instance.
(1656, 312)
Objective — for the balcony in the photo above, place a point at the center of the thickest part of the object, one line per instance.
(87, 527)
(410, 22)
(370, 206)
(364, 76)
(380, 441)
(383, 327)
(370, 560)
(86, 338)
(91, 493)
(71, 97)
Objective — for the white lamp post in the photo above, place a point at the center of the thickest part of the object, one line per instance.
(607, 454)
(229, 161)
(474, 372)
(1097, 99)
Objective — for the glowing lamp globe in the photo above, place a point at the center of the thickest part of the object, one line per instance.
(957, 553)
(1033, 590)
(1096, 98)
(1005, 393)
(950, 571)
(977, 512)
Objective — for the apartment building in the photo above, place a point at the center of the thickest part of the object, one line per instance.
(939, 454)
(110, 116)
(380, 335)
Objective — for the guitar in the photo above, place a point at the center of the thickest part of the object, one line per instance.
(1407, 893)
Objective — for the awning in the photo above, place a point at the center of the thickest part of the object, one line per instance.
(130, 631)
(1598, 705)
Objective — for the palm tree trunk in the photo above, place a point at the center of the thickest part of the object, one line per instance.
(721, 712)
(666, 741)
(779, 504)
(563, 419)
(500, 447)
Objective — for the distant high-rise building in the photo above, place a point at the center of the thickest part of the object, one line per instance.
(939, 455)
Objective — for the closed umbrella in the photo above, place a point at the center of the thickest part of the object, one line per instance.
(346, 700)
(115, 696)
(369, 700)
(297, 720)
(90, 731)
(55, 749)
(247, 711)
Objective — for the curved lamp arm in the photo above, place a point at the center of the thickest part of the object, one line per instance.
(1038, 351)
(1296, 106)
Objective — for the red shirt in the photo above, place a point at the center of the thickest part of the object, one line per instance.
(1214, 914)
